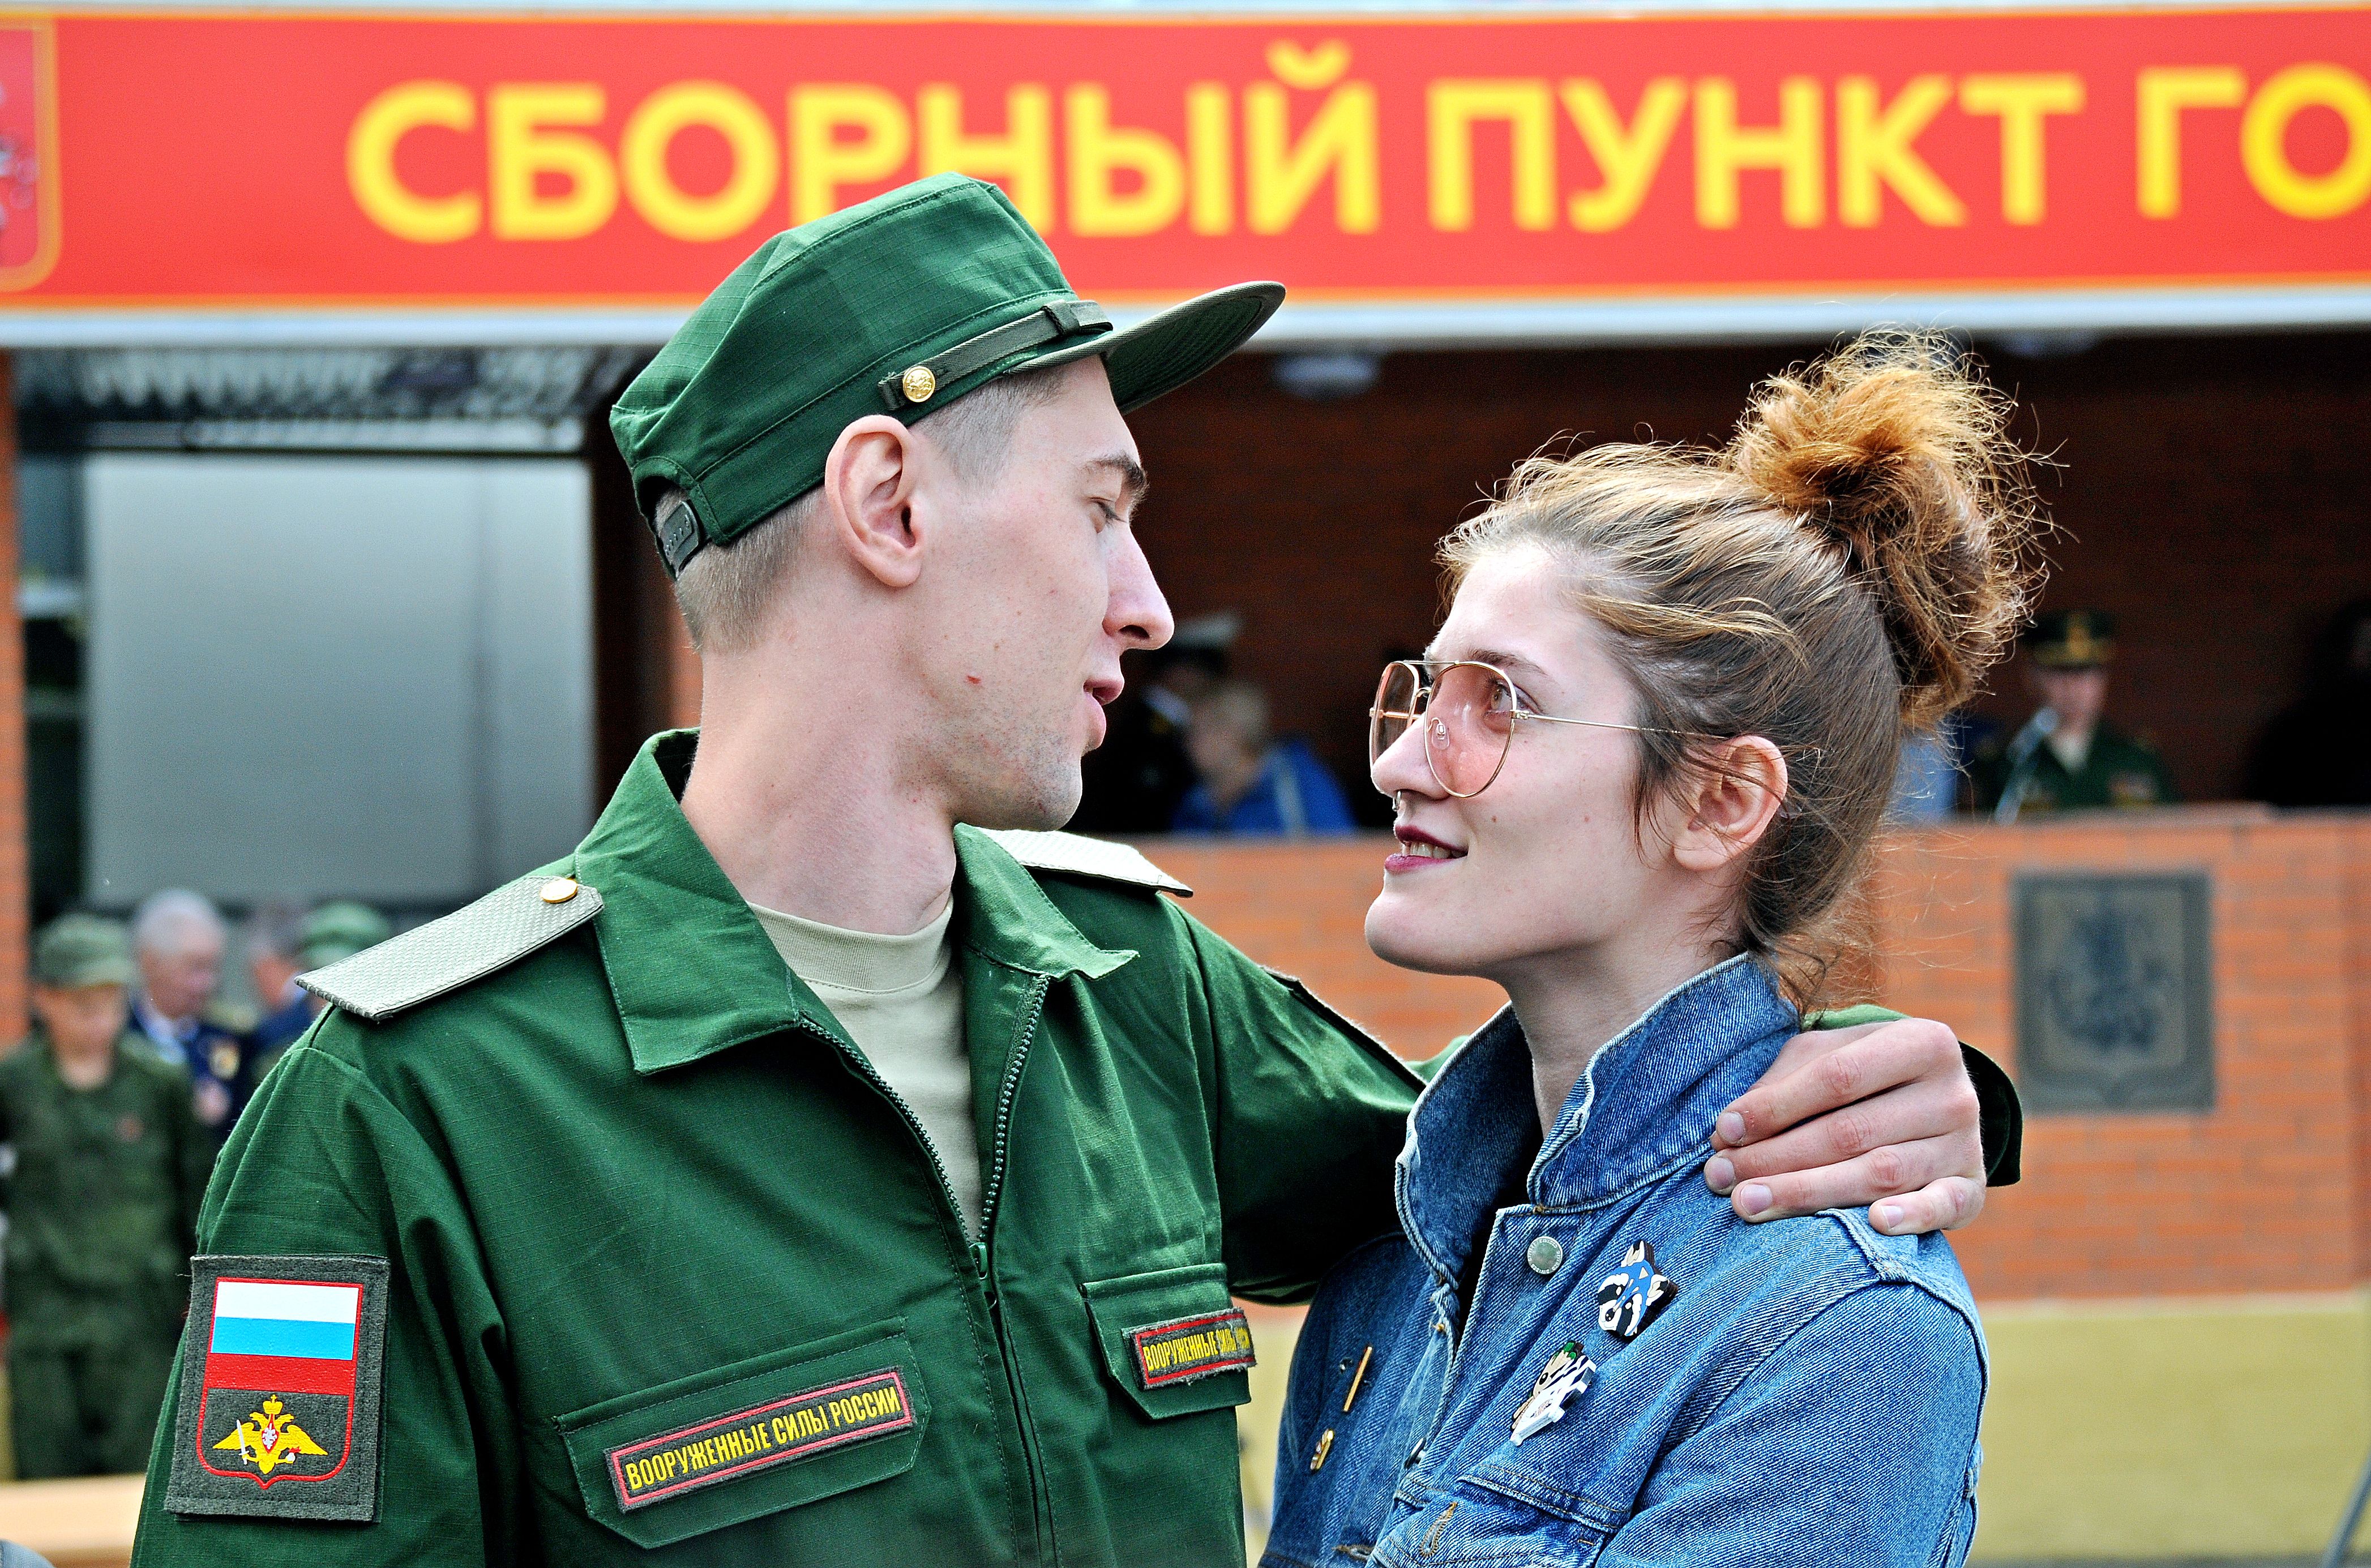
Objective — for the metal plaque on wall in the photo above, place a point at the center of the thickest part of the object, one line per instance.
(2115, 994)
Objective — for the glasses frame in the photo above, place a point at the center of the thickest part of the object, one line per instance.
(1426, 671)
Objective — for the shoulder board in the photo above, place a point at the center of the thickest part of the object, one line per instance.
(1097, 858)
(467, 945)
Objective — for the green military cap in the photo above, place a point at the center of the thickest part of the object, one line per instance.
(898, 306)
(83, 950)
(339, 930)
(2072, 640)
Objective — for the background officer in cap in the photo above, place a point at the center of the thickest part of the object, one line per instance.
(822, 1164)
(103, 1201)
(2067, 755)
(285, 945)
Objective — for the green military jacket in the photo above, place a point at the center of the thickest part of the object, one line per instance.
(670, 1273)
(101, 1198)
(2118, 770)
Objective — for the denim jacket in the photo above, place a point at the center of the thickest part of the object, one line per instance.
(1799, 1391)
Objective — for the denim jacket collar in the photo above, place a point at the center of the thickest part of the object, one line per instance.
(1648, 1098)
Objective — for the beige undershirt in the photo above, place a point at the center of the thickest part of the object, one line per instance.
(900, 998)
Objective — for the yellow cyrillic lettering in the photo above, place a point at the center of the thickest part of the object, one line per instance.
(2162, 93)
(1627, 158)
(521, 146)
(1210, 154)
(1280, 175)
(1793, 147)
(370, 163)
(1451, 108)
(757, 162)
(1022, 158)
(2264, 142)
(1098, 150)
(1876, 147)
(2022, 100)
(822, 159)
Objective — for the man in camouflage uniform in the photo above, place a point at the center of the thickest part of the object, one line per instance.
(102, 1203)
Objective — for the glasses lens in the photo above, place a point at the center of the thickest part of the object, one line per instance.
(1469, 722)
(1394, 710)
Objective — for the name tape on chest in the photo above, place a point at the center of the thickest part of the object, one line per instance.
(279, 1409)
(797, 1426)
(1187, 1348)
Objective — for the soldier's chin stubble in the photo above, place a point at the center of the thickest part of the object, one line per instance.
(1039, 793)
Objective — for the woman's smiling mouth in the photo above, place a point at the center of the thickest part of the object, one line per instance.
(1418, 848)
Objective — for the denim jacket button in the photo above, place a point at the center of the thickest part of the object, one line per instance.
(1545, 1255)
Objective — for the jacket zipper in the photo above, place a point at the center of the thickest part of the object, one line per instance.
(991, 1193)
(866, 1071)
(991, 1198)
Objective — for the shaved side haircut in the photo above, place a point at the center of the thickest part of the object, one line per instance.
(728, 588)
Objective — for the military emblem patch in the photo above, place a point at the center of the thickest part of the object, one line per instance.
(652, 1470)
(1188, 1348)
(279, 1409)
(1568, 1374)
(1629, 1301)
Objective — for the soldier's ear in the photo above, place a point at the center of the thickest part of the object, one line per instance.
(867, 500)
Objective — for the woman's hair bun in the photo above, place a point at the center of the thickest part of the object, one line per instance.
(1896, 450)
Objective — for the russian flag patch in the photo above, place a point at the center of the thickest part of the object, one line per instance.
(278, 1414)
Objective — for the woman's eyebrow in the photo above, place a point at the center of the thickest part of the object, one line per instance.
(1505, 661)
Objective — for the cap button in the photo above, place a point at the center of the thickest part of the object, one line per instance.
(558, 890)
(1546, 1254)
(917, 383)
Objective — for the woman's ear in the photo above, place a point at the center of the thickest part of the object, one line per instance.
(1739, 786)
(868, 494)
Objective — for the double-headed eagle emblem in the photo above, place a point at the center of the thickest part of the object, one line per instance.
(270, 1438)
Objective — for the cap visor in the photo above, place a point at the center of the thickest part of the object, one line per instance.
(1164, 351)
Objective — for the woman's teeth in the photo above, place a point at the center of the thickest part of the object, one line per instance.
(1419, 849)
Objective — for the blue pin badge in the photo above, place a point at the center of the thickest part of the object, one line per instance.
(1632, 1299)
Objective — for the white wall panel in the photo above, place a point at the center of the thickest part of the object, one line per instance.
(312, 676)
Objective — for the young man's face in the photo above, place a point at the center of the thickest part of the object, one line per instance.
(81, 1019)
(1036, 587)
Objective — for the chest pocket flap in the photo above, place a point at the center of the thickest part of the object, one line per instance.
(725, 1447)
(1174, 1339)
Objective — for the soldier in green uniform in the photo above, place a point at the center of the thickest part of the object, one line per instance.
(2067, 756)
(102, 1201)
(821, 1164)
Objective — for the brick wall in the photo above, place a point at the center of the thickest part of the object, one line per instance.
(2210, 488)
(2269, 1190)
(16, 863)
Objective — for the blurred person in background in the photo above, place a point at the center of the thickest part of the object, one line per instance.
(1135, 781)
(274, 940)
(178, 938)
(2069, 756)
(110, 1164)
(2318, 752)
(330, 934)
(1250, 783)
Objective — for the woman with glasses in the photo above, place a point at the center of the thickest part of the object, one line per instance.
(1636, 775)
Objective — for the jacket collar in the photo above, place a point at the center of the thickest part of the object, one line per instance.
(1647, 1101)
(690, 969)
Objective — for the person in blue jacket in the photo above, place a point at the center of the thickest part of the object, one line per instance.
(1634, 776)
(1250, 783)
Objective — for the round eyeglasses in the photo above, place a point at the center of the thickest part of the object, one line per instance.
(1469, 710)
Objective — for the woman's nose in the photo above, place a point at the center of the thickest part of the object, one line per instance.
(1402, 765)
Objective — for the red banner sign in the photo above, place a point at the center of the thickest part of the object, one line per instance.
(309, 160)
